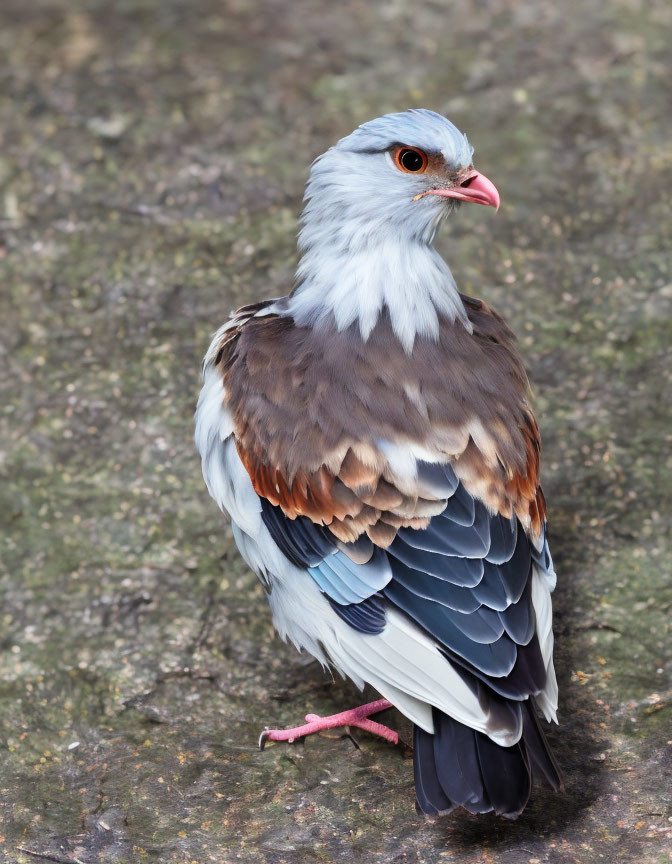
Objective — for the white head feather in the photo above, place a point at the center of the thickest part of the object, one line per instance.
(366, 244)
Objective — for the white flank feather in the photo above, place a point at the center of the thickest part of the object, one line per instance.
(547, 700)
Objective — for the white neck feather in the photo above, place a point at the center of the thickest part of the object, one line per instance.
(408, 278)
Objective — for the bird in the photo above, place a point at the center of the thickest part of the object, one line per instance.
(370, 437)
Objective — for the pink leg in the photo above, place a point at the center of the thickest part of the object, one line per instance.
(354, 717)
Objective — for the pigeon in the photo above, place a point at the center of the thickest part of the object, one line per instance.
(371, 440)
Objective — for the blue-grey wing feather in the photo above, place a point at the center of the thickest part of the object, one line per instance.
(465, 580)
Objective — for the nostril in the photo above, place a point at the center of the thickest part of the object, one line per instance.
(467, 182)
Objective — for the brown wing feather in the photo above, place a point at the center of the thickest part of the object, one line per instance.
(309, 406)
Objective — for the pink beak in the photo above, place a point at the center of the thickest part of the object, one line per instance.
(476, 188)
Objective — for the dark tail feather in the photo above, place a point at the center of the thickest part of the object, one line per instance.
(541, 755)
(459, 767)
(431, 798)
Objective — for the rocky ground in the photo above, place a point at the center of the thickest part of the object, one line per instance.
(152, 159)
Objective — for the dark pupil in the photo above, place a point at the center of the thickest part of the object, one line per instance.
(411, 160)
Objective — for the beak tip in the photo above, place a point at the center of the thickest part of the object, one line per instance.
(487, 189)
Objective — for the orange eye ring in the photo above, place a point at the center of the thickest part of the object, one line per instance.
(410, 160)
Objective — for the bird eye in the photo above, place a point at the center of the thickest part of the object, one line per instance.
(411, 160)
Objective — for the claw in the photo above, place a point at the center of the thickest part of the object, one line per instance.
(267, 734)
(348, 734)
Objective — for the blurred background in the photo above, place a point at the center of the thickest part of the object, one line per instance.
(152, 161)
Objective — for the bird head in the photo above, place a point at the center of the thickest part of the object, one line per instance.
(396, 176)
(373, 204)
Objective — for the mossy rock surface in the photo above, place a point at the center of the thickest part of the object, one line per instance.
(152, 162)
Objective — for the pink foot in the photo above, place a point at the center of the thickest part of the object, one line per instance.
(354, 717)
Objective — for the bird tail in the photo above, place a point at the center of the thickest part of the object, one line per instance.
(460, 767)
